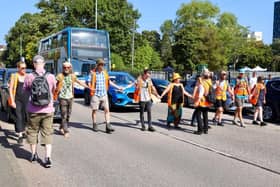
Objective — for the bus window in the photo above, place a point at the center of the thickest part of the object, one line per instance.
(54, 42)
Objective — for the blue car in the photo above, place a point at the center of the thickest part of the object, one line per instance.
(118, 98)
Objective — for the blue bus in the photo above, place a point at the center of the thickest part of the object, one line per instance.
(80, 46)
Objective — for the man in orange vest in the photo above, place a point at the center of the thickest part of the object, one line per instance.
(143, 93)
(65, 93)
(99, 85)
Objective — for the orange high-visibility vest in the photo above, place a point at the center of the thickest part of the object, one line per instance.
(256, 92)
(202, 102)
(169, 98)
(241, 88)
(221, 92)
(137, 92)
(60, 78)
(93, 82)
(14, 78)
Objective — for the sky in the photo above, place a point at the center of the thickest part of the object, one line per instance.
(255, 14)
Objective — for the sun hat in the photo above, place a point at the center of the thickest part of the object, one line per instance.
(100, 61)
(176, 76)
(241, 70)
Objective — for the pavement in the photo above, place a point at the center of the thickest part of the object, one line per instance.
(10, 175)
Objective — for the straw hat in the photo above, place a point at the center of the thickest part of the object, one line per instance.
(100, 61)
(176, 76)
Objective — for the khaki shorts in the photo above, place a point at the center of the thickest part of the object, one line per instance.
(96, 102)
(40, 123)
(239, 102)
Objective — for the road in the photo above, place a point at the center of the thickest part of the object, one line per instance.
(227, 156)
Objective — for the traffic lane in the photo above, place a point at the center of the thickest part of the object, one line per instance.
(253, 144)
(130, 157)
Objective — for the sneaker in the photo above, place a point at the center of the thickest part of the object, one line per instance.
(33, 158)
(20, 140)
(168, 124)
(242, 124)
(220, 124)
(47, 163)
(198, 132)
(151, 128)
(263, 123)
(234, 122)
(205, 131)
(94, 127)
(143, 128)
(255, 122)
(61, 131)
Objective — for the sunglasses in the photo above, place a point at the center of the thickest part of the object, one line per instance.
(22, 68)
(66, 67)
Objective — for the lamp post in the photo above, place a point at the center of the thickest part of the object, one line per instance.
(20, 50)
(95, 14)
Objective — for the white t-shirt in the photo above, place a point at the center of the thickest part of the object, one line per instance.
(253, 81)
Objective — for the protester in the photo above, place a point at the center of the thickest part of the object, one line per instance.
(175, 101)
(143, 93)
(258, 100)
(200, 102)
(221, 88)
(241, 92)
(194, 114)
(18, 99)
(40, 85)
(65, 93)
(99, 85)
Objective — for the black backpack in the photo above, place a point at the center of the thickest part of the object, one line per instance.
(40, 91)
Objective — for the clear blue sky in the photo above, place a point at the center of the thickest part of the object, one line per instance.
(256, 14)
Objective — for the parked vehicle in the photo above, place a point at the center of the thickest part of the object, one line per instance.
(161, 85)
(271, 110)
(118, 98)
(5, 75)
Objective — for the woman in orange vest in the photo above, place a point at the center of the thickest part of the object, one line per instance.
(222, 86)
(241, 92)
(175, 100)
(258, 100)
(18, 99)
(200, 102)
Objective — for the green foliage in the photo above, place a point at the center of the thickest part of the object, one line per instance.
(147, 57)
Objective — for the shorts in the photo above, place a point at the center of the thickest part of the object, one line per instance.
(97, 101)
(220, 103)
(239, 102)
(40, 123)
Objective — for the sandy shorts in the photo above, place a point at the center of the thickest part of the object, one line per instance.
(40, 123)
(97, 102)
(239, 102)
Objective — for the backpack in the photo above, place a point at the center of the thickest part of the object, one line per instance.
(40, 91)
(211, 96)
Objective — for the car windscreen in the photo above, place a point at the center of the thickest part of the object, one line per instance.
(122, 79)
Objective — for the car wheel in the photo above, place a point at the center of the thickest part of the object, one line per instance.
(268, 113)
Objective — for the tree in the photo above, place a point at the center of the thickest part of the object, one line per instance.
(146, 57)
(275, 46)
(153, 37)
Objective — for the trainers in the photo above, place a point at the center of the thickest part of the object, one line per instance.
(143, 128)
(34, 158)
(20, 140)
(151, 128)
(197, 132)
(47, 163)
(234, 122)
(242, 124)
(95, 127)
(263, 123)
(255, 122)
(220, 124)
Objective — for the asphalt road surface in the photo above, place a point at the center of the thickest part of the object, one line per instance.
(227, 156)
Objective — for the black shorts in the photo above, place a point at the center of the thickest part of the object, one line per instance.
(220, 103)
